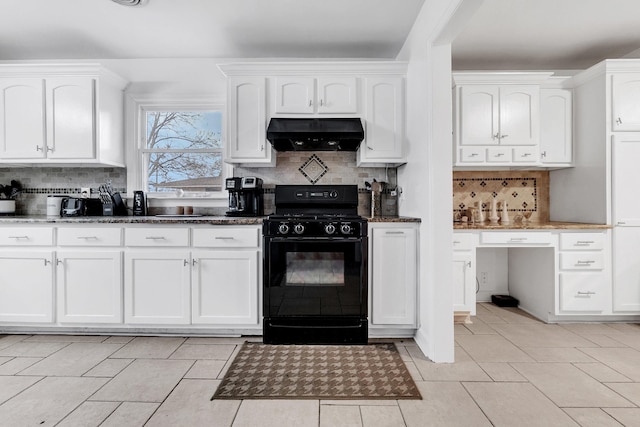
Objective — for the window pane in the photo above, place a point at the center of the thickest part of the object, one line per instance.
(186, 171)
(184, 129)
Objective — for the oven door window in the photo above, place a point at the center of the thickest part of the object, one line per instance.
(314, 277)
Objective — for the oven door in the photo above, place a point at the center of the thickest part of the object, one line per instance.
(315, 277)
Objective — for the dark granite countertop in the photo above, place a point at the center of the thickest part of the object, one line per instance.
(166, 219)
(394, 219)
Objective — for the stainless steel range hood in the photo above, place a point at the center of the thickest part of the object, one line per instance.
(325, 134)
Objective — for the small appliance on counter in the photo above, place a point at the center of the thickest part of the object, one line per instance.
(139, 203)
(54, 203)
(246, 196)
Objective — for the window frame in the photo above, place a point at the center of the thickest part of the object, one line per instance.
(135, 110)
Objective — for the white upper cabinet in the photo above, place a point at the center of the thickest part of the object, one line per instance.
(556, 133)
(309, 95)
(71, 122)
(625, 102)
(384, 122)
(247, 119)
(62, 115)
(498, 119)
(22, 118)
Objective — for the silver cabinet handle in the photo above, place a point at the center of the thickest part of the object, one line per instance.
(588, 293)
(584, 243)
(526, 155)
(621, 223)
(156, 238)
(186, 262)
(543, 154)
(496, 136)
(194, 262)
(499, 155)
(223, 238)
(38, 148)
(310, 103)
(456, 242)
(518, 239)
(46, 262)
(394, 232)
(322, 102)
(503, 136)
(50, 149)
(585, 262)
(619, 121)
(19, 237)
(87, 237)
(473, 154)
(59, 261)
(469, 264)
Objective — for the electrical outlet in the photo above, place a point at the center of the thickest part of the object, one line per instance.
(484, 277)
(85, 192)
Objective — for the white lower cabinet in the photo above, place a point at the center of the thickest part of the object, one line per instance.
(393, 256)
(626, 270)
(89, 286)
(463, 280)
(157, 287)
(584, 283)
(26, 286)
(224, 287)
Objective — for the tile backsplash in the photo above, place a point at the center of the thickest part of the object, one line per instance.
(38, 182)
(523, 191)
(292, 168)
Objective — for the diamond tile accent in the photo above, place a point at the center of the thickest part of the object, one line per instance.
(313, 169)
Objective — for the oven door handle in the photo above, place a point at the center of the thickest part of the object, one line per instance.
(313, 239)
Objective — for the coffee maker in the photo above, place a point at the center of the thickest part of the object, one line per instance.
(246, 196)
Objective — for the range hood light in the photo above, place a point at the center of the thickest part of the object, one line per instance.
(299, 143)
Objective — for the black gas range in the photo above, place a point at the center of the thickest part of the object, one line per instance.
(315, 267)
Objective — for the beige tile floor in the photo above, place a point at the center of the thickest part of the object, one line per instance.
(510, 370)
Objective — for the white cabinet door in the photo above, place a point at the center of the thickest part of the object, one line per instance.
(337, 95)
(626, 270)
(624, 170)
(463, 282)
(556, 121)
(26, 286)
(157, 287)
(519, 115)
(89, 286)
(225, 287)
(393, 276)
(625, 102)
(295, 95)
(71, 118)
(22, 118)
(384, 121)
(246, 133)
(478, 120)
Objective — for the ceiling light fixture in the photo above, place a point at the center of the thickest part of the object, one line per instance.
(129, 2)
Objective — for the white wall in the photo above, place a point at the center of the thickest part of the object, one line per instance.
(426, 179)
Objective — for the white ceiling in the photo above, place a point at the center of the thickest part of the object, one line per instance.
(547, 34)
(93, 29)
(503, 34)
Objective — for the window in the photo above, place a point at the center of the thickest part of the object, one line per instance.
(182, 151)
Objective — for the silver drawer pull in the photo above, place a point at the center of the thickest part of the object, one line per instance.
(155, 238)
(456, 242)
(87, 237)
(394, 232)
(588, 293)
(473, 154)
(526, 155)
(587, 262)
(518, 239)
(499, 155)
(584, 242)
(223, 238)
(19, 237)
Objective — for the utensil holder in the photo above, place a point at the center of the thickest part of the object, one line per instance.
(376, 204)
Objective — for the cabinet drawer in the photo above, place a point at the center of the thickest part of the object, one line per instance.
(583, 292)
(26, 236)
(156, 236)
(519, 238)
(581, 241)
(582, 261)
(463, 241)
(89, 236)
(526, 155)
(226, 237)
(472, 155)
(498, 155)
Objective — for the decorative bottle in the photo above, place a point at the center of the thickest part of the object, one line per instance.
(493, 216)
(505, 214)
(481, 219)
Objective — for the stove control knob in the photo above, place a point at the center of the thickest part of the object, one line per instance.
(283, 228)
(333, 194)
(345, 228)
(329, 228)
(298, 228)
